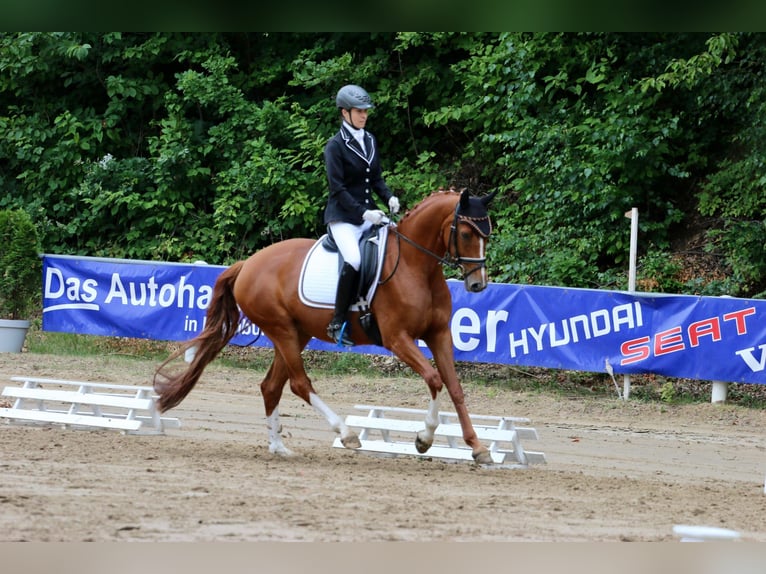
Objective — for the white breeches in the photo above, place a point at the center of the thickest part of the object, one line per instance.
(347, 236)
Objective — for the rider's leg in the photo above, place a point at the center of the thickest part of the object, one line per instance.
(347, 290)
(346, 237)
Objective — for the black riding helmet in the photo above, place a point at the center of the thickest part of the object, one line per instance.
(352, 96)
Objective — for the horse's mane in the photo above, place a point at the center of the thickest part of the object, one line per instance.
(441, 192)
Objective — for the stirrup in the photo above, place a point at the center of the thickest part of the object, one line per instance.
(337, 332)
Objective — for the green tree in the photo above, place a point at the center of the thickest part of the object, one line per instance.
(188, 146)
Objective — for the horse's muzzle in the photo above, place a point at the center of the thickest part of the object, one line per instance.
(475, 286)
(474, 279)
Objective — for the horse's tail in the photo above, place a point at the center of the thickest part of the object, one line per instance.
(221, 324)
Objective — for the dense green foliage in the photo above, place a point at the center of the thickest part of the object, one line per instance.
(186, 146)
(20, 266)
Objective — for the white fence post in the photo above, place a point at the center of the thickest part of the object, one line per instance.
(633, 215)
(718, 394)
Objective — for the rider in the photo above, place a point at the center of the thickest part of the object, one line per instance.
(354, 173)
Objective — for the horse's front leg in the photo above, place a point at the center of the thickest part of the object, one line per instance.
(271, 391)
(406, 349)
(441, 348)
(425, 438)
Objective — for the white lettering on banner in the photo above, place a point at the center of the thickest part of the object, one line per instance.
(574, 329)
(190, 325)
(73, 288)
(750, 360)
(245, 327)
(605, 328)
(672, 340)
(473, 328)
(494, 318)
(62, 292)
(151, 294)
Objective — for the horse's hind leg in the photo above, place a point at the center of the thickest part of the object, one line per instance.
(271, 390)
(348, 438)
(301, 386)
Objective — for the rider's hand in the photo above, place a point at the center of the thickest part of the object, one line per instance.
(393, 204)
(374, 216)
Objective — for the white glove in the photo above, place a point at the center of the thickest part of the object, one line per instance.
(393, 204)
(374, 216)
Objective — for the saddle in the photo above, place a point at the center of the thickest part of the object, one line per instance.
(317, 284)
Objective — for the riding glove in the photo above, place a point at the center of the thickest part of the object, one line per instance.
(374, 216)
(393, 204)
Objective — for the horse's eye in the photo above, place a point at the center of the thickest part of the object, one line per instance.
(465, 236)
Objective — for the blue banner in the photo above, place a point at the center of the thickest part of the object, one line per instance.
(707, 338)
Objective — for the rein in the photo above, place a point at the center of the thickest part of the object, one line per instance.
(448, 259)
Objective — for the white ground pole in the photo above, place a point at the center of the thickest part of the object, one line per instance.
(633, 216)
(693, 533)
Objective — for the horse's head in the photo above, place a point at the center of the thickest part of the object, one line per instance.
(467, 243)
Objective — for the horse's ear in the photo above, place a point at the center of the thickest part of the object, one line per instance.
(465, 196)
(487, 198)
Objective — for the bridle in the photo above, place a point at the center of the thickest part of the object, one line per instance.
(453, 261)
(457, 260)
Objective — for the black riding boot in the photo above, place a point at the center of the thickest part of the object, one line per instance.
(337, 330)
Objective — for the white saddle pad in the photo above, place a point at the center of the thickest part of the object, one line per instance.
(318, 281)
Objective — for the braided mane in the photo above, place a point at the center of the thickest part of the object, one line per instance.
(427, 201)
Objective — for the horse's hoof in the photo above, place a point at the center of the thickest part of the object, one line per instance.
(422, 446)
(281, 451)
(351, 441)
(483, 457)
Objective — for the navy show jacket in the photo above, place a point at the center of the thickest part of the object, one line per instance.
(353, 176)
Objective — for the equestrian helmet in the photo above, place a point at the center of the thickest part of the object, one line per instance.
(352, 96)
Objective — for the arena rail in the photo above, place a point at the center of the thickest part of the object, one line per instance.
(398, 435)
(127, 408)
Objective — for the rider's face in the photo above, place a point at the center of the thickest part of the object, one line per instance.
(356, 117)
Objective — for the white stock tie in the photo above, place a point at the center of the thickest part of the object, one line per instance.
(359, 137)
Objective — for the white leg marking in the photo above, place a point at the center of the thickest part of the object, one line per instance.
(426, 436)
(347, 436)
(432, 417)
(276, 445)
(335, 423)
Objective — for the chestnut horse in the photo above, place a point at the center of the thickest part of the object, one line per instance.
(412, 301)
